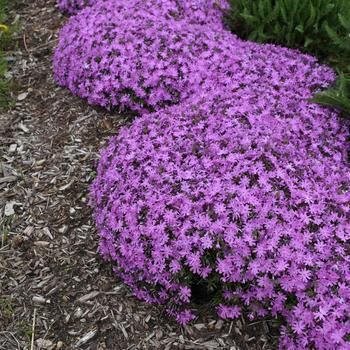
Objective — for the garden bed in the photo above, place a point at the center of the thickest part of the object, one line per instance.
(49, 268)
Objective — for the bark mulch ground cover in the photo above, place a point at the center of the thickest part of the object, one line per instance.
(55, 292)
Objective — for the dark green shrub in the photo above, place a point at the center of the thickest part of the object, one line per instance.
(319, 27)
(316, 26)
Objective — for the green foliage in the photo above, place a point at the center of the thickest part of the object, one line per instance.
(6, 309)
(3, 10)
(316, 26)
(5, 226)
(5, 41)
(5, 85)
(319, 27)
(25, 329)
(338, 96)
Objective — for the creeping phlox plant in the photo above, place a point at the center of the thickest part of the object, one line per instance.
(259, 200)
(246, 183)
(146, 60)
(229, 175)
(114, 56)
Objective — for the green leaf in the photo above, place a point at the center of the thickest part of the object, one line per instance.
(332, 34)
(254, 35)
(344, 22)
(337, 96)
(308, 42)
(312, 17)
(328, 9)
(251, 20)
(284, 14)
(261, 10)
(300, 28)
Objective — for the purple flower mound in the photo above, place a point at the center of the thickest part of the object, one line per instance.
(113, 55)
(218, 186)
(234, 176)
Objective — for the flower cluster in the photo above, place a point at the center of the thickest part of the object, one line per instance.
(114, 56)
(229, 173)
(266, 194)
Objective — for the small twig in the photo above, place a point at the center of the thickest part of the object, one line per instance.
(33, 331)
(4, 249)
(25, 43)
(45, 45)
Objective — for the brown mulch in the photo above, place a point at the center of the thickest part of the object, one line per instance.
(54, 289)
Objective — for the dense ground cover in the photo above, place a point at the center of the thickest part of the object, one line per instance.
(240, 183)
(142, 59)
(250, 201)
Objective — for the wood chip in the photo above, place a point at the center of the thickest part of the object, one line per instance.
(65, 187)
(44, 343)
(212, 344)
(22, 96)
(13, 148)
(23, 127)
(88, 336)
(87, 297)
(38, 299)
(8, 179)
(9, 209)
(42, 243)
(219, 324)
(199, 326)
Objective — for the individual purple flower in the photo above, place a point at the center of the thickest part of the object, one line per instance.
(230, 312)
(185, 317)
(185, 294)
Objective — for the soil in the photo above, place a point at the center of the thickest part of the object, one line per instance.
(55, 292)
